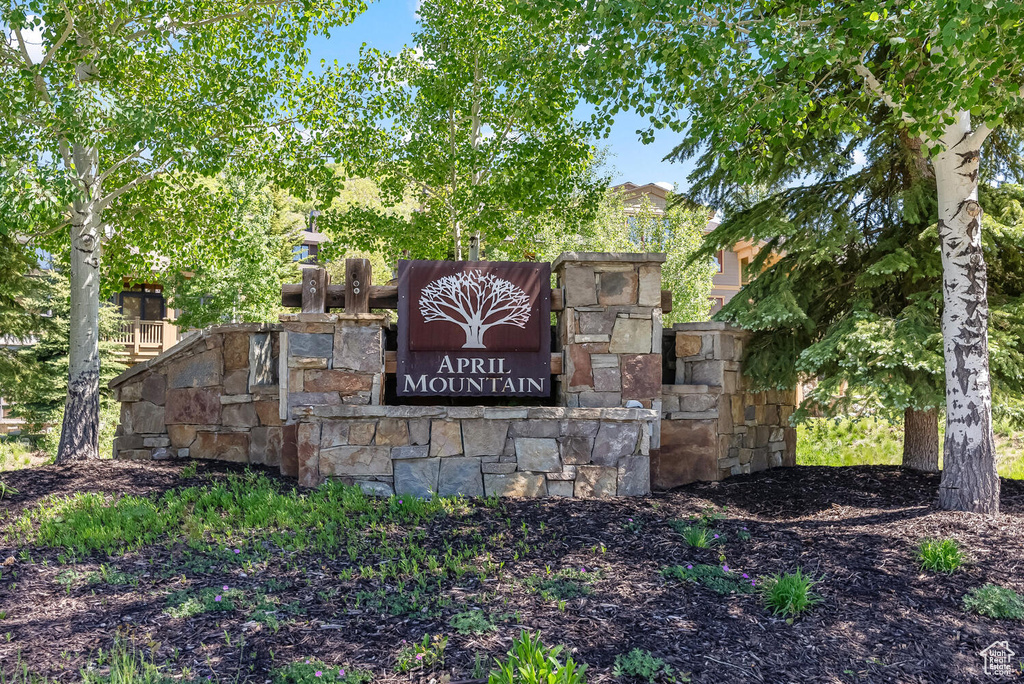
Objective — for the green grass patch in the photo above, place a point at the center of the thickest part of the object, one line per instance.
(247, 506)
(994, 601)
(319, 672)
(720, 579)
(789, 594)
(940, 555)
(697, 536)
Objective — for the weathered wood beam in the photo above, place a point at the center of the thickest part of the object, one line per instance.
(358, 279)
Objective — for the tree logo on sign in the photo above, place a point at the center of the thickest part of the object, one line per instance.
(476, 302)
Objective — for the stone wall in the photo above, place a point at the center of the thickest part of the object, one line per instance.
(610, 328)
(214, 395)
(475, 451)
(712, 426)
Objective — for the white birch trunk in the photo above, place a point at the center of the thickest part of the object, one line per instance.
(79, 437)
(969, 478)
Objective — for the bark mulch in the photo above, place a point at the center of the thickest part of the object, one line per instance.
(881, 619)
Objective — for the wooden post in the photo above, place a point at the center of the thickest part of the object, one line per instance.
(314, 290)
(358, 277)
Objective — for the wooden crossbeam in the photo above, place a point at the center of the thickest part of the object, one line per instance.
(386, 297)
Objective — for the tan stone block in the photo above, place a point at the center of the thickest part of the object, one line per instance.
(598, 482)
(308, 449)
(515, 484)
(580, 286)
(236, 351)
(650, 286)
(307, 362)
(239, 415)
(181, 436)
(221, 446)
(130, 392)
(392, 432)
(344, 461)
(361, 432)
(336, 381)
(687, 345)
(445, 438)
(617, 287)
(295, 380)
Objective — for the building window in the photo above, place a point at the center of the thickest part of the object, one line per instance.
(300, 252)
(718, 261)
(716, 304)
(143, 302)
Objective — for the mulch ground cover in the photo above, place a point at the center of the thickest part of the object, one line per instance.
(856, 530)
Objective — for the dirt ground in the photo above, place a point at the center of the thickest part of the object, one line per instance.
(881, 618)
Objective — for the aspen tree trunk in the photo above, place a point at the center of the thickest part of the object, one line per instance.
(921, 440)
(969, 478)
(79, 438)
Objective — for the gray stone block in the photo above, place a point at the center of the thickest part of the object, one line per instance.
(350, 461)
(445, 438)
(198, 370)
(417, 477)
(404, 452)
(358, 348)
(147, 418)
(615, 440)
(534, 428)
(576, 450)
(634, 477)
(538, 455)
(262, 367)
(460, 476)
(493, 468)
(310, 344)
(484, 437)
(557, 488)
(375, 488)
(631, 336)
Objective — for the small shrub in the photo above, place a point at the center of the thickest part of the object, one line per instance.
(317, 672)
(530, 662)
(423, 655)
(789, 594)
(472, 622)
(994, 601)
(719, 579)
(186, 604)
(940, 555)
(639, 664)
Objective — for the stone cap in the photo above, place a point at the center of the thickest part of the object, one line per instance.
(187, 342)
(622, 257)
(708, 326)
(474, 412)
(332, 317)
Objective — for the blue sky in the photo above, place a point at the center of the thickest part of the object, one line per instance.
(389, 24)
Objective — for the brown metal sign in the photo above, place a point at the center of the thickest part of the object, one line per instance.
(474, 328)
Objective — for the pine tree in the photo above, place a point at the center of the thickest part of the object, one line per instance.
(855, 301)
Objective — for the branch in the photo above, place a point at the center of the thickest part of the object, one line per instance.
(875, 87)
(148, 176)
(118, 164)
(60, 41)
(172, 25)
(981, 133)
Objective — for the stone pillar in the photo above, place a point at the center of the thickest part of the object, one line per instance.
(327, 360)
(712, 426)
(331, 360)
(610, 328)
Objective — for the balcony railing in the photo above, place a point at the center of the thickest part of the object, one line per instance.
(145, 339)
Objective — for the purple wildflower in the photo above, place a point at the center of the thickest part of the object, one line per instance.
(238, 551)
(689, 567)
(217, 598)
(341, 673)
(716, 536)
(746, 576)
(419, 656)
(225, 587)
(318, 673)
(725, 568)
